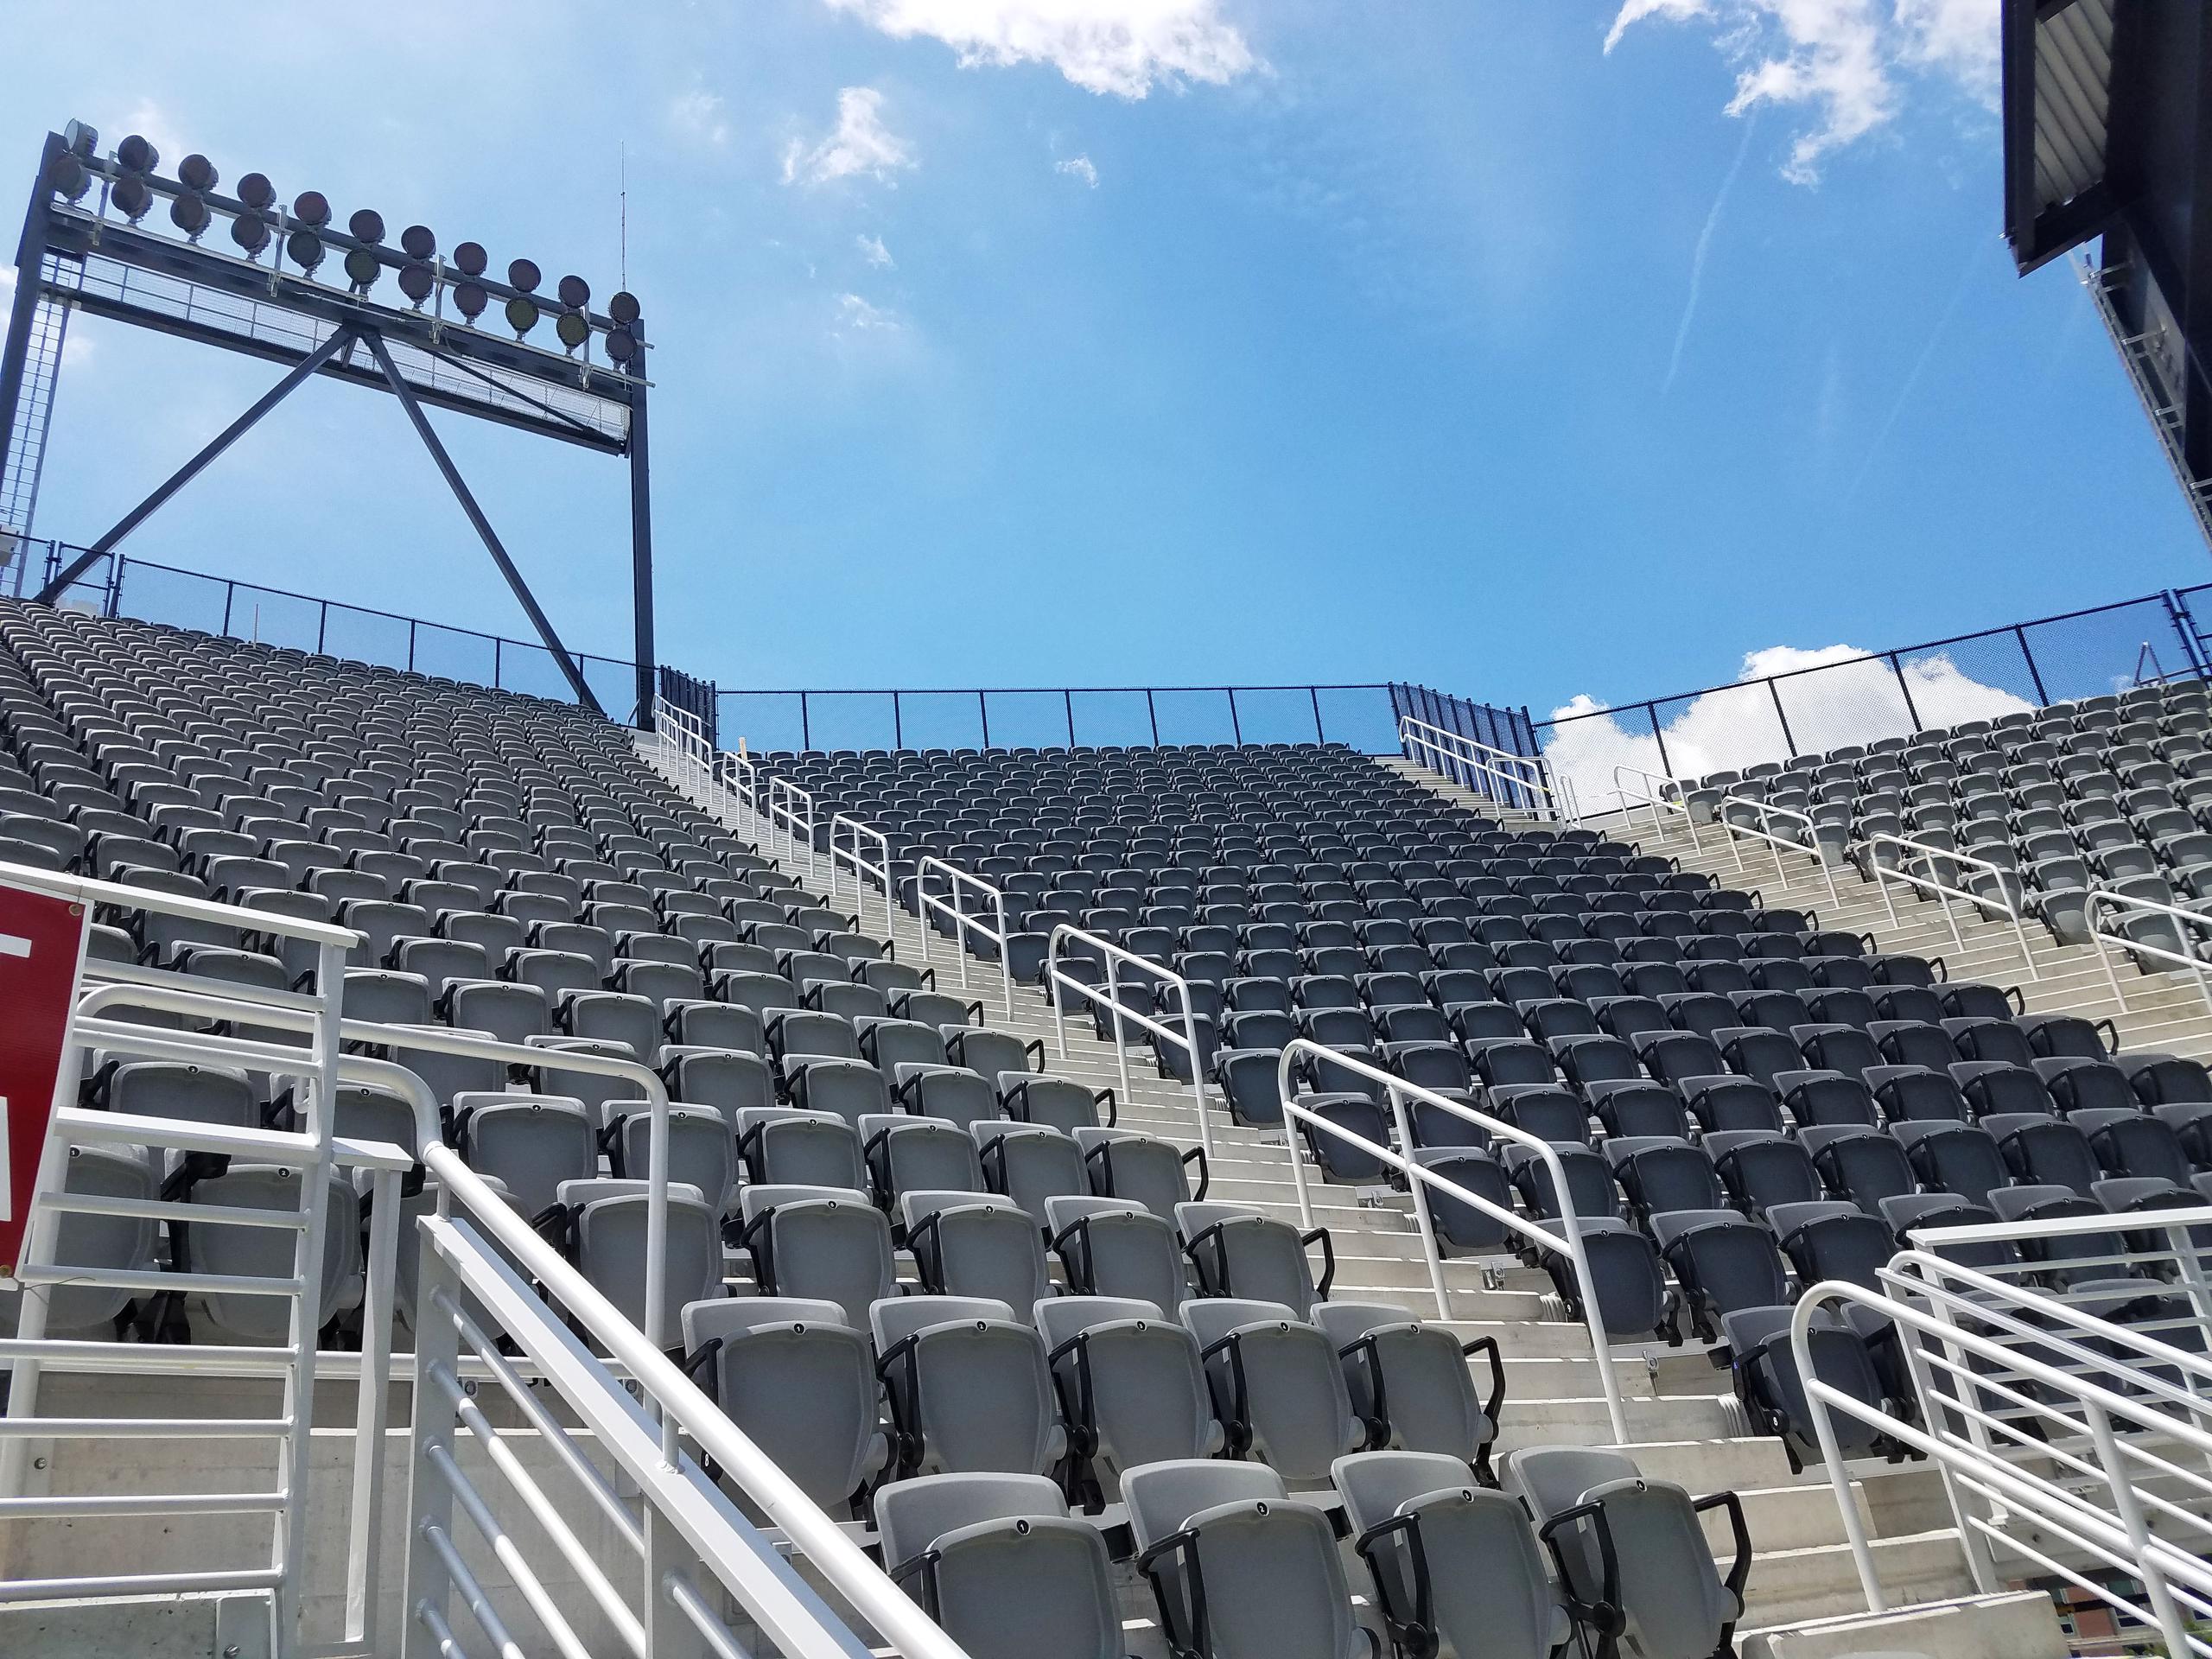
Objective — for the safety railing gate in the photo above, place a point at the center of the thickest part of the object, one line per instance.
(1421, 1181)
(2062, 1368)
(589, 1525)
(1514, 780)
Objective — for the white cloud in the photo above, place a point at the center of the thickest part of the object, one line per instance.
(1836, 59)
(1122, 47)
(861, 144)
(699, 116)
(875, 252)
(856, 316)
(1850, 701)
(1078, 166)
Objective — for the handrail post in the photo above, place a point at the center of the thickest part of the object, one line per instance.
(1854, 1526)
(1422, 1219)
(2128, 1505)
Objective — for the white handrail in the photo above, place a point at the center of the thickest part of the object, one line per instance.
(1657, 798)
(1186, 1039)
(1926, 854)
(676, 1511)
(2104, 897)
(1516, 772)
(1779, 845)
(2121, 1537)
(964, 922)
(858, 833)
(1420, 1178)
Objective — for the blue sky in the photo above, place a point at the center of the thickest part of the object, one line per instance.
(1528, 348)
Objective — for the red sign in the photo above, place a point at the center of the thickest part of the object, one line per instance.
(41, 954)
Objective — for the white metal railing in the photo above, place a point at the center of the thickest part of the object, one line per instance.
(1657, 799)
(687, 1525)
(965, 921)
(686, 754)
(1110, 994)
(2103, 899)
(1461, 759)
(1420, 1179)
(847, 854)
(1810, 845)
(2077, 1444)
(1919, 852)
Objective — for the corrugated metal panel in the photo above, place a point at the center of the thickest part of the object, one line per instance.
(2072, 97)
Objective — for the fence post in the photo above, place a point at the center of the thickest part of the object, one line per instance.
(1774, 690)
(1067, 701)
(1151, 712)
(984, 712)
(805, 727)
(115, 586)
(410, 644)
(1659, 736)
(229, 592)
(897, 724)
(1235, 730)
(2184, 630)
(1314, 692)
(496, 663)
(1911, 708)
(2034, 674)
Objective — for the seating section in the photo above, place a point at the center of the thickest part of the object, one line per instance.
(2113, 791)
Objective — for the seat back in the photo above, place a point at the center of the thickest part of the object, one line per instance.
(801, 1382)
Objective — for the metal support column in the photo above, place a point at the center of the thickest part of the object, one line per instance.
(641, 543)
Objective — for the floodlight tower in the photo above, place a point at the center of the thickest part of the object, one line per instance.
(92, 243)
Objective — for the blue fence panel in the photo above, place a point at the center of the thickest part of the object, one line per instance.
(1103, 718)
(366, 636)
(455, 654)
(851, 720)
(1195, 717)
(1360, 717)
(764, 721)
(942, 720)
(1029, 720)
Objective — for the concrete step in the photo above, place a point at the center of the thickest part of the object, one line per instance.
(2019, 1625)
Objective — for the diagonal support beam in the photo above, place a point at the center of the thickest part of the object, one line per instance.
(339, 338)
(424, 430)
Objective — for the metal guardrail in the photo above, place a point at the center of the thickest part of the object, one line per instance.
(2077, 1444)
(2104, 899)
(1656, 799)
(1810, 846)
(686, 1521)
(1110, 994)
(1450, 755)
(1926, 856)
(851, 857)
(1419, 1179)
(964, 922)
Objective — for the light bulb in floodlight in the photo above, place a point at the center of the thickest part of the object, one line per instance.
(572, 328)
(623, 307)
(522, 315)
(470, 299)
(81, 140)
(311, 209)
(522, 275)
(367, 225)
(256, 193)
(196, 171)
(250, 232)
(622, 344)
(470, 259)
(134, 154)
(304, 249)
(132, 197)
(188, 212)
(418, 242)
(362, 269)
(575, 292)
(415, 281)
(68, 178)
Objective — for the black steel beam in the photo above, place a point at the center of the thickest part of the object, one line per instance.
(192, 468)
(641, 557)
(423, 429)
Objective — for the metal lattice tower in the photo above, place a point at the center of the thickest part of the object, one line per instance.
(26, 454)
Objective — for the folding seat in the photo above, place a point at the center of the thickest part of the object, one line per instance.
(2001, 1086)
(782, 1145)
(1141, 1168)
(2042, 1150)
(701, 1149)
(1278, 1386)
(1410, 1382)
(1827, 1097)
(1959, 1159)
(932, 1008)
(1774, 1010)
(1724, 1263)
(1771, 1390)
(1912, 1042)
(1761, 1168)
(1640, 1109)
(715, 1024)
(1420, 1024)
(816, 1242)
(1660, 1174)
(975, 1244)
(246, 1251)
(2166, 1079)
(1509, 1064)
(729, 1080)
(1028, 1097)
(1477, 1023)
(1637, 1546)
(529, 1143)
(1031, 1163)
(2135, 1144)
(1634, 1304)
(970, 1387)
(1725, 1102)
(1589, 1182)
(1132, 1385)
(990, 1053)
(1112, 1247)
(1991, 1039)
(1238, 1251)
(1450, 1559)
(1673, 1057)
(947, 1092)
(1971, 1000)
